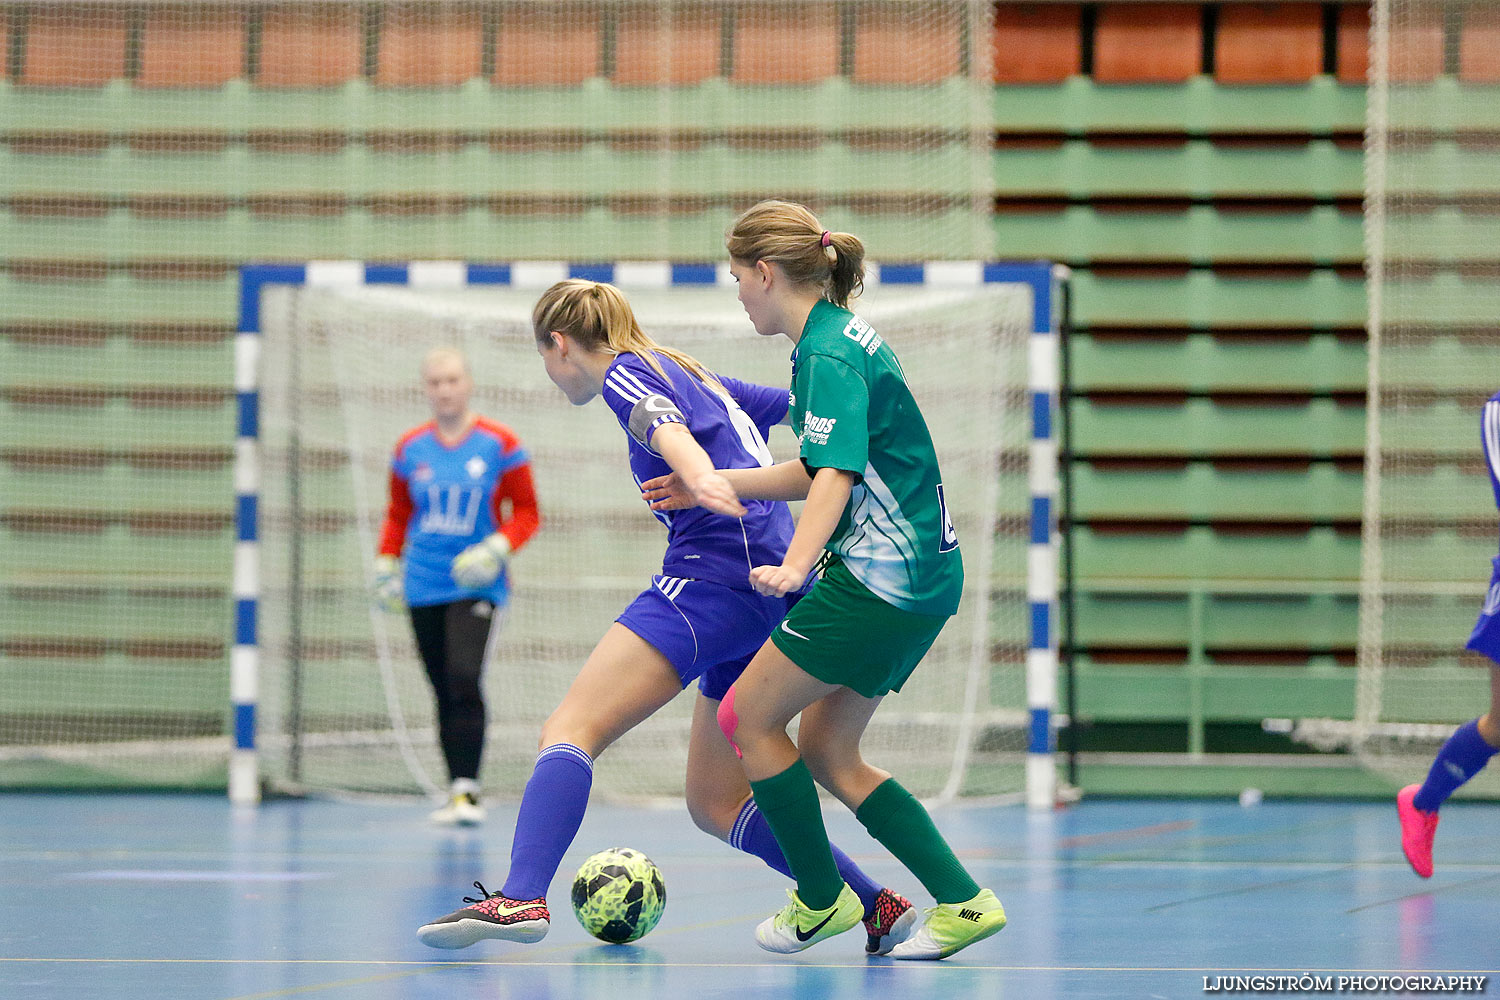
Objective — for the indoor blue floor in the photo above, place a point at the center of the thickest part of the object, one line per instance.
(157, 897)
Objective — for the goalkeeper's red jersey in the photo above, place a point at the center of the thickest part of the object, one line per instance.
(447, 495)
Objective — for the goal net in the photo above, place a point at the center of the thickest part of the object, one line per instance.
(153, 149)
(173, 134)
(344, 701)
(1432, 224)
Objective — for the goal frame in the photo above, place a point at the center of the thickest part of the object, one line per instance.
(1043, 278)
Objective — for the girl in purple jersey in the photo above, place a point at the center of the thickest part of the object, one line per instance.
(1476, 741)
(700, 620)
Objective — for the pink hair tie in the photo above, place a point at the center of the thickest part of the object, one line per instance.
(826, 239)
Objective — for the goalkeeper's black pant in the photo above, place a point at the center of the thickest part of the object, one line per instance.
(452, 639)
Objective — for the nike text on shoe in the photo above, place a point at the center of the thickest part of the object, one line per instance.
(1417, 830)
(951, 927)
(890, 922)
(795, 927)
(491, 916)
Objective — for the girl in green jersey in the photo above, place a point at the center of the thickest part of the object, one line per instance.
(876, 521)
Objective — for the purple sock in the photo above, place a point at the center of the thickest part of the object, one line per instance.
(752, 834)
(551, 811)
(1460, 759)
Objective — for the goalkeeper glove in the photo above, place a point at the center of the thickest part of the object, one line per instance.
(477, 566)
(388, 592)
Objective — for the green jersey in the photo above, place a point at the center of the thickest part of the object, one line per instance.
(851, 410)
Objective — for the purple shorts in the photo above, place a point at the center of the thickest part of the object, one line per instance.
(705, 630)
(1486, 637)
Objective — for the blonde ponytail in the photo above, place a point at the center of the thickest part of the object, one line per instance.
(790, 235)
(599, 317)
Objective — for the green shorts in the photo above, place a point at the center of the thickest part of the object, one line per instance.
(843, 634)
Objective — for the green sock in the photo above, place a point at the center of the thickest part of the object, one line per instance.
(899, 822)
(789, 802)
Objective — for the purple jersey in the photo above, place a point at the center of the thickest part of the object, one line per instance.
(731, 427)
(1486, 636)
(1489, 436)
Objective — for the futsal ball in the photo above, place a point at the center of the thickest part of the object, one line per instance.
(618, 895)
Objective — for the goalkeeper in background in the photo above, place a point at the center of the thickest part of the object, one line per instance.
(461, 504)
(1476, 741)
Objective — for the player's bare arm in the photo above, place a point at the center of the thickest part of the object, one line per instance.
(700, 482)
(784, 481)
(826, 498)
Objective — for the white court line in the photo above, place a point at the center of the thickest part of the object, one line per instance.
(986, 855)
(769, 963)
(167, 875)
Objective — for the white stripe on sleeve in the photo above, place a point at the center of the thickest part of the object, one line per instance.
(631, 378)
(624, 391)
(1492, 436)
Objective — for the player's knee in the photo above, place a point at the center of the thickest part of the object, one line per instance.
(819, 764)
(710, 812)
(699, 810)
(729, 720)
(838, 768)
(563, 727)
(1489, 728)
(830, 766)
(467, 699)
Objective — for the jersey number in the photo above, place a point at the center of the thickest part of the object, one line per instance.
(950, 537)
(748, 432)
(451, 510)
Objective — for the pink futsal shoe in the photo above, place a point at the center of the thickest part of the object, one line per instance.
(890, 923)
(492, 916)
(1417, 831)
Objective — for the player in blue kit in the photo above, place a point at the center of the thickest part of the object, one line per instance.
(461, 501)
(699, 620)
(1476, 741)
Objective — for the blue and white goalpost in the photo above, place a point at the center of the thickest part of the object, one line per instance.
(1029, 291)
